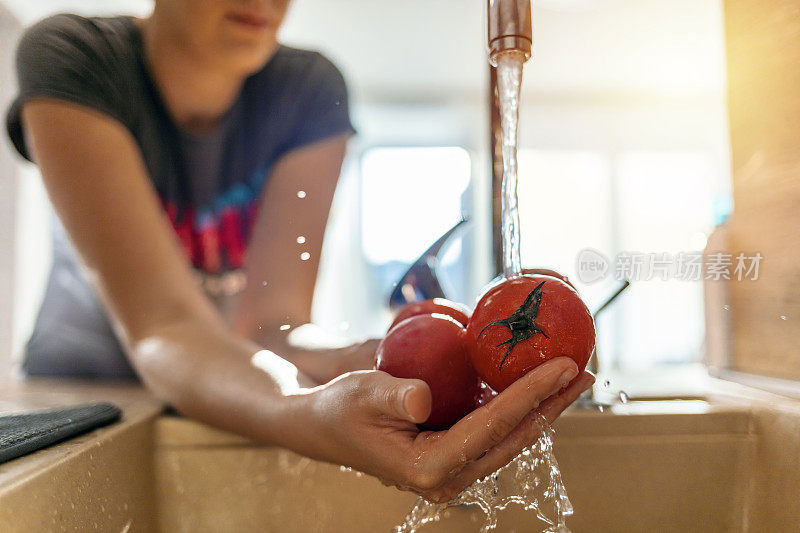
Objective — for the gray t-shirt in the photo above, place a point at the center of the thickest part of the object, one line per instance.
(209, 185)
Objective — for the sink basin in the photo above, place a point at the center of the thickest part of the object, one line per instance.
(720, 458)
(636, 468)
(706, 463)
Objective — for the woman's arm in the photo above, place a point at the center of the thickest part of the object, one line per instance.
(281, 284)
(96, 179)
(183, 351)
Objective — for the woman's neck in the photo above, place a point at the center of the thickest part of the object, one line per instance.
(196, 92)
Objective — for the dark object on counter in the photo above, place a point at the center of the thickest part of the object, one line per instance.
(21, 434)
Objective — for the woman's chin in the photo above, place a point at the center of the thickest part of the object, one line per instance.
(248, 58)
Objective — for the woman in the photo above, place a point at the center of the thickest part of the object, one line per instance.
(194, 122)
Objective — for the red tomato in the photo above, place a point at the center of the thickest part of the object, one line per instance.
(437, 305)
(547, 272)
(528, 272)
(431, 348)
(523, 322)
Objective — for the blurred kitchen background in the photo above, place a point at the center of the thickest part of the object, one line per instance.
(623, 147)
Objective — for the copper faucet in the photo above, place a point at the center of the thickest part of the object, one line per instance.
(510, 27)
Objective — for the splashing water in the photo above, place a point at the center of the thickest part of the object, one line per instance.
(509, 80)
(532, 480)
(622, 396)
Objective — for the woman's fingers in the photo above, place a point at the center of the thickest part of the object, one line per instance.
(552, 407)
(356, 357)
(526, 432)
(489, 425)
(405, 399)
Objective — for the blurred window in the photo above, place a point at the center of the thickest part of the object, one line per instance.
(410, 197)
(666, 206)
(637, 203)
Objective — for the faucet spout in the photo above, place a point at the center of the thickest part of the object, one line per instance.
(510, 28)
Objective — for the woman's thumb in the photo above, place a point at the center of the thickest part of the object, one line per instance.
(406, 399)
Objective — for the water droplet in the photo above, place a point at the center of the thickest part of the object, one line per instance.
(606, 383)
(263, 283)
(259, 328)
(623, 396)
(726, 307)
(301, 194)
(601, 408)
(783, 317)
(285, 327)
(305, 256)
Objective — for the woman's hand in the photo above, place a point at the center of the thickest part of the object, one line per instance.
(367, 420)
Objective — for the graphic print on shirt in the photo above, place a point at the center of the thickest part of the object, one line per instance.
(215, 237)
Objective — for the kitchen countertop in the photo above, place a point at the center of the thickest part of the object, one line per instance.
(110, 475)
(140, 410)
(139, 406)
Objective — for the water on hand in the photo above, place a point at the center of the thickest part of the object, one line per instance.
(532, 480)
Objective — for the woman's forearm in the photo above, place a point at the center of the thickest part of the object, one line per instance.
(209, 374)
